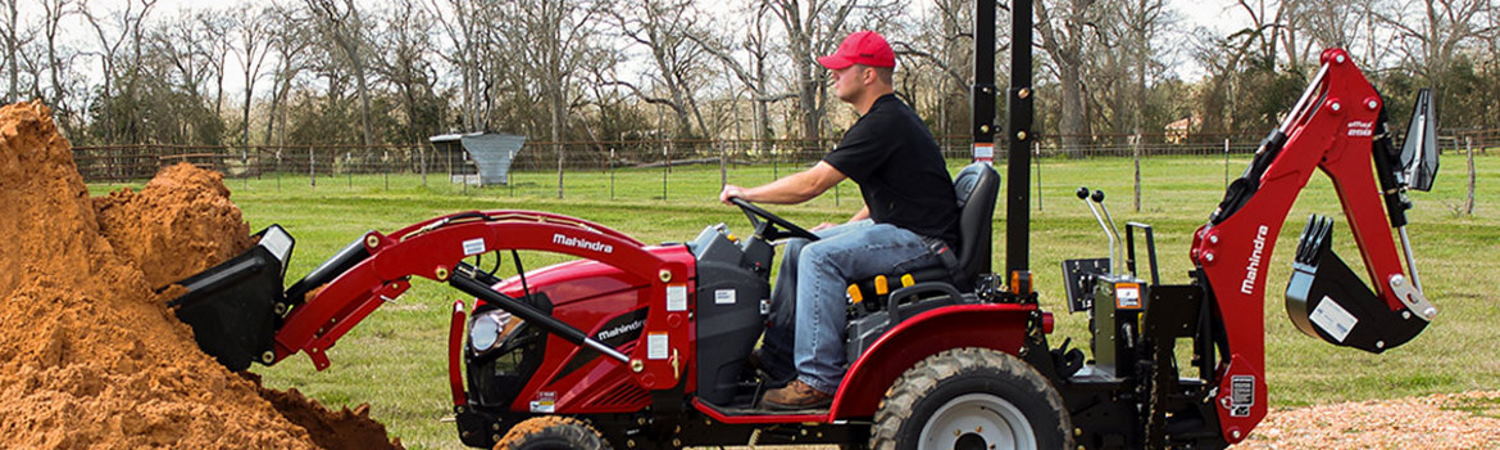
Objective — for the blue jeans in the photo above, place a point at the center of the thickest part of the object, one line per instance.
(806, 333)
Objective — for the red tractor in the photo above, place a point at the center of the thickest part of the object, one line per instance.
(646, 346)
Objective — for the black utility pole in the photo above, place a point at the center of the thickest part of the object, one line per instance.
(982, 110)
(1019, 134)
(1018, 127)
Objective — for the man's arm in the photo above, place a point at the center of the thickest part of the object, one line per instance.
(796, 188)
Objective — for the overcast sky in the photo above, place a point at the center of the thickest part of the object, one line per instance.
(1219, 15)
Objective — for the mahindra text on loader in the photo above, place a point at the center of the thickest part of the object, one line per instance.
(645, 346)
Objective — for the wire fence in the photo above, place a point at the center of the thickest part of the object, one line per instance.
(589, 168)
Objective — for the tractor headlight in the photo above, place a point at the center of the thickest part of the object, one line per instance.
(486, 329)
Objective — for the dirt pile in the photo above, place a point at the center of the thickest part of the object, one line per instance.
(89, 356)
(180, 224)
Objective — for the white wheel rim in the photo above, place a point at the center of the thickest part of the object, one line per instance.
(978, 417)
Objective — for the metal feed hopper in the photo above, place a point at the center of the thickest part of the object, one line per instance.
(477, 158)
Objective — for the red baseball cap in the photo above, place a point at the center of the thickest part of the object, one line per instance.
(861, 47)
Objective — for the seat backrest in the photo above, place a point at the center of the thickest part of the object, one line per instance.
(976, 187)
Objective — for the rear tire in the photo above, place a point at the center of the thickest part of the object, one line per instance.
(971, 398)
(552, 433)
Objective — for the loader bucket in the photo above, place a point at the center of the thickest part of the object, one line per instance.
(232, 307)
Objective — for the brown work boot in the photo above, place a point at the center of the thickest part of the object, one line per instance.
(796, 395)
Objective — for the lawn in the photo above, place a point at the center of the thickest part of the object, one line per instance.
(396, 359)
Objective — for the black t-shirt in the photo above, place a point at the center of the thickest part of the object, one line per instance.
(900, 171)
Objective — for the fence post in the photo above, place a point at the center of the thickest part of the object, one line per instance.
(422, 162)
(1469, 144)
(312, 167)
(666, 164)
(1137, 162)
(612, 171)
(1226, 163)
(1036, 155)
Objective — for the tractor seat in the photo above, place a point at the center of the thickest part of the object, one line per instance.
(976, 187)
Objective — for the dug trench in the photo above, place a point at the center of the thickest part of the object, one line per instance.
(90, 355)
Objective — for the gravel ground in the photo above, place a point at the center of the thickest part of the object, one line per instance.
(1465, 420)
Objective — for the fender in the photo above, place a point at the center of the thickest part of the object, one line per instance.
(999, 326)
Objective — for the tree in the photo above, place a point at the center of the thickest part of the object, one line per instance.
(753, 70)
(343, 24)
(288, 41)
(666, 30)
(560, 37)
(1064, 29)
(252, 44)
(406, 43)
(1433, 47)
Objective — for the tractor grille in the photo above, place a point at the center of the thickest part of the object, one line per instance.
(625, 394)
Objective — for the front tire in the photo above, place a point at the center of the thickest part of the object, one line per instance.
(552, 433)
(971, 398)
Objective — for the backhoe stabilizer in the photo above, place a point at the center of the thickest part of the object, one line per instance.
(1327, 300)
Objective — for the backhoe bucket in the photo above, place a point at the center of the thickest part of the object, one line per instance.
(1327, 300)
(234, 307)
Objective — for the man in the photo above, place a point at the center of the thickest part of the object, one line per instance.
(910, 210)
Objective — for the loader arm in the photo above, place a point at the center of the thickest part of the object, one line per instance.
(377, 268)
(1334, 127)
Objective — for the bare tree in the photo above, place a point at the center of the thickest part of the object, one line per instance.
(753, 70)
(1442, 29)
(1064, 27)
(288, 41)
(560, 38)
(666, 29)
(128, 24)
(13, 38)
(463, 25)
(343, 24)
(406, 43)
(252, 44)
(54, 11)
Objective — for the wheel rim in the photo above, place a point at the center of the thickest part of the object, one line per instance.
(977, 421)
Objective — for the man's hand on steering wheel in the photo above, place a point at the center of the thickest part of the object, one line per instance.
(731, 191)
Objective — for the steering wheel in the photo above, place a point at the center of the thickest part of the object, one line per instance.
(773, 227)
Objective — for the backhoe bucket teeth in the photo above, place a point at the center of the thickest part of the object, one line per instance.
(1325, 298)
(233, 307)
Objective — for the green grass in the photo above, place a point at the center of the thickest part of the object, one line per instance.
(396, 360)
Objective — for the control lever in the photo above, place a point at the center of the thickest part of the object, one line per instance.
(1105, 221)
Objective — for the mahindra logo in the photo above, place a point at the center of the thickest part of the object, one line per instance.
(1252, 269)
(559, 239)
(622, 329)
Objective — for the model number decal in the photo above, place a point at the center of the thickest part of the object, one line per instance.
(1241, 395)
(1360, 128)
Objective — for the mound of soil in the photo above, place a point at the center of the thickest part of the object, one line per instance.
(181, 223)
(89, 353)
